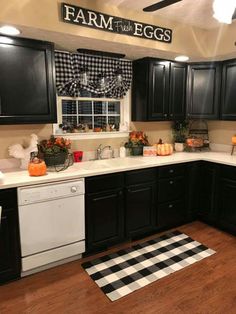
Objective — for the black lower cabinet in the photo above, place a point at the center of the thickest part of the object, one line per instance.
(226, 204)
(171, 205)
(171, 213)
(208, 192)
(104, 211)
(193, 189)
(10, 263)
(140, 202)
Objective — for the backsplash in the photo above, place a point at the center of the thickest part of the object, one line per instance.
(220, 132)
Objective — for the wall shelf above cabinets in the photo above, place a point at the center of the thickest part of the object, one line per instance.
(158, 91)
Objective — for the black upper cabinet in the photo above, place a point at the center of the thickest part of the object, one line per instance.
(203, 90)
(228, 107)
(10, 264)
(158, 91)
(27, 81)
(177, 91)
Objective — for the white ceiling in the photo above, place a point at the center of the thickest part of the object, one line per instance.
(191, 12)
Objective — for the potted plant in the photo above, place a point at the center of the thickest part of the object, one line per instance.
(137, 140)
(179, 131)
(54, 151)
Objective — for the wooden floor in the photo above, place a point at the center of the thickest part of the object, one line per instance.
(209, 286)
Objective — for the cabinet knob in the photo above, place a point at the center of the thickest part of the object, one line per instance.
(171, 171)
(73, 189)
(165, 115)
(171, 114)
(170, 206)
(171, 182)
(121, 193)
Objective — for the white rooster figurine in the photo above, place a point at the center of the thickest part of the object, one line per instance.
(18, 151)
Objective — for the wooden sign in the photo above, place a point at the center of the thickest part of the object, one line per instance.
(88, 18)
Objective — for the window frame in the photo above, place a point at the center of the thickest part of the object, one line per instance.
(124, 117)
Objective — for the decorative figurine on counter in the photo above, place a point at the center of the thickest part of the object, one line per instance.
(22, 153)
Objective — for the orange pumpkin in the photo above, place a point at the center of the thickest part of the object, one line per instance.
(37, 167)
(164, 149)
(234, 139)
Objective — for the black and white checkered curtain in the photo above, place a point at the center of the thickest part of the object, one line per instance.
(68, 71)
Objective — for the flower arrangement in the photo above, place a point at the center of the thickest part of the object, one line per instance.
(180, 131)
(136, 139)
(54, 146)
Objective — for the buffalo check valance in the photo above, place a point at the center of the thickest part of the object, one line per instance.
(116, 73)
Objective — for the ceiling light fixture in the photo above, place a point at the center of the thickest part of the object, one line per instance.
(9, 30)
(224, 10)
(182, 58)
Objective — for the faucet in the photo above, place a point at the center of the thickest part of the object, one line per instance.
(101, 149)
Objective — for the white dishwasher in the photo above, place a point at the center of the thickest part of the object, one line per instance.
(52, 224)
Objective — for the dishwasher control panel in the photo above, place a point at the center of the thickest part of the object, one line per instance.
(44, 192)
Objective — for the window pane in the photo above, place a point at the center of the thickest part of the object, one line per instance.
(114, 107)
(100, 122)
(72, 120)
(85, 107)
(86, 120)
(68, 107)
(114, 121)
(100, 107)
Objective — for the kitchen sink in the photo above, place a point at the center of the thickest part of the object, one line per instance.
(108, 163)
(92, 165)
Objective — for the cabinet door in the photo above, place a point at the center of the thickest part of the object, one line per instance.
(158, 105)
(203, 90)
(208, 191)
(171, 213)
(9, 238)
(27, 81)
(194, 176)
(140, 209)
(228, 108)
(104, 219)
(177, 91)
(227, 207)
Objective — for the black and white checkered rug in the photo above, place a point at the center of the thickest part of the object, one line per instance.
(125, 271)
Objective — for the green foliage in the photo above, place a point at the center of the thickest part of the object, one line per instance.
(180, 130)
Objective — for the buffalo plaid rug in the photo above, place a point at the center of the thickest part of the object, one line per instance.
(125, 271)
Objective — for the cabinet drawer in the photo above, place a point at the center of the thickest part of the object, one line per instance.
(170, 189)
(171, 213)
(171, 171)
(140, 176)
(104, 183)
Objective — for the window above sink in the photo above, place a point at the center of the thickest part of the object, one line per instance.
(91, 118)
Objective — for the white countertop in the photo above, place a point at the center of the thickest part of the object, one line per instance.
(17, 178)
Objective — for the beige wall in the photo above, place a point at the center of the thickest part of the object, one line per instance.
(220, 132)
(14, 134)
(44, 15)
(154, 130)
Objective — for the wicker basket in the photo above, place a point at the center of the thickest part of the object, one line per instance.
(55, 159)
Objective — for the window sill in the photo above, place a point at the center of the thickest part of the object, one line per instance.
(93, 135)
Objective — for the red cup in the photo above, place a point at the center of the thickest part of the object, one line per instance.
(78, 155)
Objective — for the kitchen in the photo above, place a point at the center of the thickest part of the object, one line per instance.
(126, 199)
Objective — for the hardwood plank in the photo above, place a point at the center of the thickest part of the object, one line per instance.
(209, 286)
